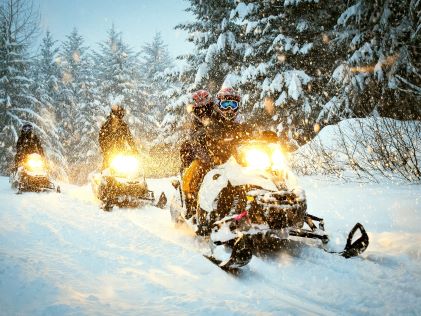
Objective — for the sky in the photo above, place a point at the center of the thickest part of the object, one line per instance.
(138, 20)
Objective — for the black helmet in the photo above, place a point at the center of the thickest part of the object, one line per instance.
(118, 111)
(27, 128)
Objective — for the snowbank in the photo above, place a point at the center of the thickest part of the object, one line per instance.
(370, 149)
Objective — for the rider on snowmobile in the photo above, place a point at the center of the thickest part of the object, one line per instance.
(28, 143)
(225, 131)
(211, 147)
(201, 109)
(115, 135)
(194, 157)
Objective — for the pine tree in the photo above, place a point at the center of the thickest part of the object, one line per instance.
(118, 82)
(79, 113)
(156, 59)
(45, 87)
(287, 62)
(271, 52)
(215, 55)
(380, 72)
(17, 104)
(217, 48)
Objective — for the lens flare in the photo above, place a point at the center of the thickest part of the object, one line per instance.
(34, 162)
(257, 159)
(278, 160)
(125, 165)
(263, 156)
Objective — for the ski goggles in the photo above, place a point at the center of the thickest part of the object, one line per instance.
(228, 104)
(26, 128)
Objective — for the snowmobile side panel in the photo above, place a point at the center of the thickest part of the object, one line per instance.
(113, 191)
(29, 182)
(229, 172)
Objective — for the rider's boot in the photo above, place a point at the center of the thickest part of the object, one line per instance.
(191, 205)
(203, 228)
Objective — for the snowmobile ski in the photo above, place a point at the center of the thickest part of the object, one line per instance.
(162, 201)
(240, 256)
(353, 249)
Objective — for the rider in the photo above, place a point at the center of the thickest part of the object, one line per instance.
(28, 143)
(225, 130)
(115, 135)
(201, 112)
(194, 157)
(214, 145)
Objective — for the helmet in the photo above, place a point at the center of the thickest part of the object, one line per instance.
(201, 98)
(118, 110)
(228, 94)
(202, 103)
(228, 102)
(27, 128)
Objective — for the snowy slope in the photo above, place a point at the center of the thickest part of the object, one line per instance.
(61, 255)
(363, 149)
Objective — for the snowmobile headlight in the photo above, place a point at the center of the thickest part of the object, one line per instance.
(263, 157)
(34, 162)
(278, 160)
(257, 159)
(125, 165)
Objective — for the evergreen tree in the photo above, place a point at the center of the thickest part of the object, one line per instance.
(118, 82)
(216, 54)
(217, 48)
(287, 62)
(271, 52)
(380, 72)
(79, 114)
(175, 114)
(156, 59)
(45, 86)
(17, 104)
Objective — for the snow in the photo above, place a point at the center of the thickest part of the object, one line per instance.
(202, 72)
(297, 2)
(218, 178)
(242, 10)
(61, 255)
(302, 26)
(251, 26)
(349, 12)
(294, 88)
(338, 148)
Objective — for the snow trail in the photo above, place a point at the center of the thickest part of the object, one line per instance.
(61, 255)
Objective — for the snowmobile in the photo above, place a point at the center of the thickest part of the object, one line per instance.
(251, 203)
(32, 176)
(122, 184)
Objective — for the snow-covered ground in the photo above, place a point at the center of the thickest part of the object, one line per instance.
(61, 255)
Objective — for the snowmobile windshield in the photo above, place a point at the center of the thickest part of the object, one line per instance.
(261, 156)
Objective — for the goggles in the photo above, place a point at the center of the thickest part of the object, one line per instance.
(26, 128)
(228, 104)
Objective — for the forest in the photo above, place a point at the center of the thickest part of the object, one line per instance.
(300, 66)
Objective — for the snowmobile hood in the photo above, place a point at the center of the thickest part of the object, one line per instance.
(232, 172)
